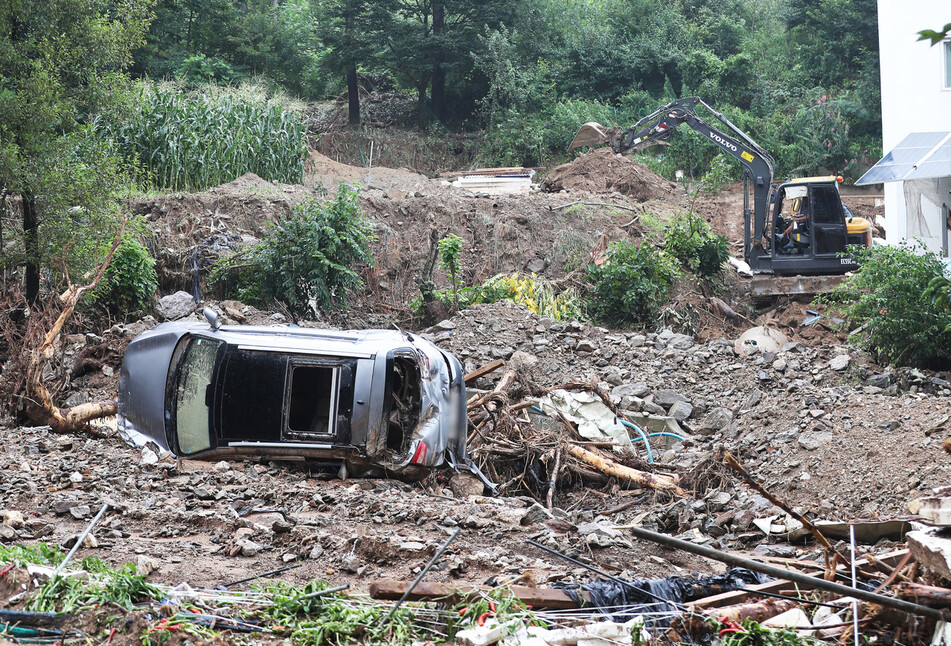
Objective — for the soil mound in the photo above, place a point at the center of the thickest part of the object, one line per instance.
(326, 171)
(604, 171)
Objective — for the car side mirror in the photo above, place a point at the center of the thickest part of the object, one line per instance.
(212, 317)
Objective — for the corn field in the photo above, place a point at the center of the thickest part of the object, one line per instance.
(183, 142)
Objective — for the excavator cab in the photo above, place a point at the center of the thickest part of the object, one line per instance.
(810, 230)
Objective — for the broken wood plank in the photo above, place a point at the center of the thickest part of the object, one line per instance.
(612, 468)
(537, 598)
(737, 597)
(484, 370)
(932, 551)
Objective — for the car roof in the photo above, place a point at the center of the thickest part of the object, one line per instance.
(292, 339)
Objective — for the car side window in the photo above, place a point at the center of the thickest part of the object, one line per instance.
(192, 394)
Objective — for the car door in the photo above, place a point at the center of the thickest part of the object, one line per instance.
(828, 221)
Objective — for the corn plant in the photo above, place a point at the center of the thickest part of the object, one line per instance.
(182, 141)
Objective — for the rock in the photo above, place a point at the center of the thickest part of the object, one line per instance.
(716, 419)
(840, 362)
(612, 375)
(61, 507)
(667, 398)
(80, 512)
(520, 360)
(753, 399)
(464, 485)
(412, 546)
(249, 547)
(584, 345)
(7, 533)
(175, 306)
(75, 477)
(350, 563)
(680, 342)
(812, 440)
(653, 409)
(680, 411)
(145, 565)
(445, 325)
(877, 381)
(148, 456)
(535, 514)
(536, 266)
(13, 518)
(316, 552)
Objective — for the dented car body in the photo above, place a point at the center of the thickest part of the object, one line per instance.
(374, 401)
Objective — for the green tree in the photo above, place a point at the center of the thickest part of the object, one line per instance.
(60, 62)
(309, 260)
(889, 298)
(350, 31)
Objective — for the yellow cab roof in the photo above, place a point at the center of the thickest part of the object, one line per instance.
(812, 180)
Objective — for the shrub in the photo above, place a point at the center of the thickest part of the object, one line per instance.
(631, 285)
(130, 280)
(307, 261)
(536, 294)
(185, 141)
(887, 298)
(450, 246)
(688, 238)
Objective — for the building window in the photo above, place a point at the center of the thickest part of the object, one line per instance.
(947, 64)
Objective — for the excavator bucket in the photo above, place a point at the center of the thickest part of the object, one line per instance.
(591, 134)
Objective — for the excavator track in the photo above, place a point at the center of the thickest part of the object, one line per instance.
(765, 287)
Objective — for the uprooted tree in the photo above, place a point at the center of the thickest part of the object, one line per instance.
(31, 344)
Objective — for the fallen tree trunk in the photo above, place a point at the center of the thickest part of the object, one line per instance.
(39, 402)
(612, 468)
(928, 595)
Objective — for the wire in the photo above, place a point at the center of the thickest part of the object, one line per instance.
(647, 445)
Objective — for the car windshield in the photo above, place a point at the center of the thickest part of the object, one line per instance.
(192, 397)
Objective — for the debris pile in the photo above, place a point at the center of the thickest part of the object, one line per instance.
(604, 171)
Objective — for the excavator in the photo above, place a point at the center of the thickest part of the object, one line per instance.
(799, 228)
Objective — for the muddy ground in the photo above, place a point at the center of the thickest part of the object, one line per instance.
(819, 423)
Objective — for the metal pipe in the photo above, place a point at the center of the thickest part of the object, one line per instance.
(602, 573)
(79, 541)
(431, 563)
(796, 577)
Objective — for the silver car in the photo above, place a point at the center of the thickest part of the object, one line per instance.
(371, 402)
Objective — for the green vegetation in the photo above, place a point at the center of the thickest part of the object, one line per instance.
(755, 635)
(333, 619)
(129, 281)
(60, 65)
(308, 261)
(631, 285)
(939, 290)
(450, 246)
(538, 295)
(184, 141)
(688, 238)
(887, 297)
(122, 586)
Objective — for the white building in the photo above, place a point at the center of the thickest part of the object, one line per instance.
(916, 123)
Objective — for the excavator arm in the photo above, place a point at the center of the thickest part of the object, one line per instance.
(658, 126)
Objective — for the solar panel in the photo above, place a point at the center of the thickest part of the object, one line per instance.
(938, 164)
(904, 160)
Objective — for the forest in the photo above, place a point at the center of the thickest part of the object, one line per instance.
(105, 96)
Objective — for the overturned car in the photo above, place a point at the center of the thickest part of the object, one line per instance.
(370, 402)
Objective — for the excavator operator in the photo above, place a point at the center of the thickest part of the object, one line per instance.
(792, 237)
